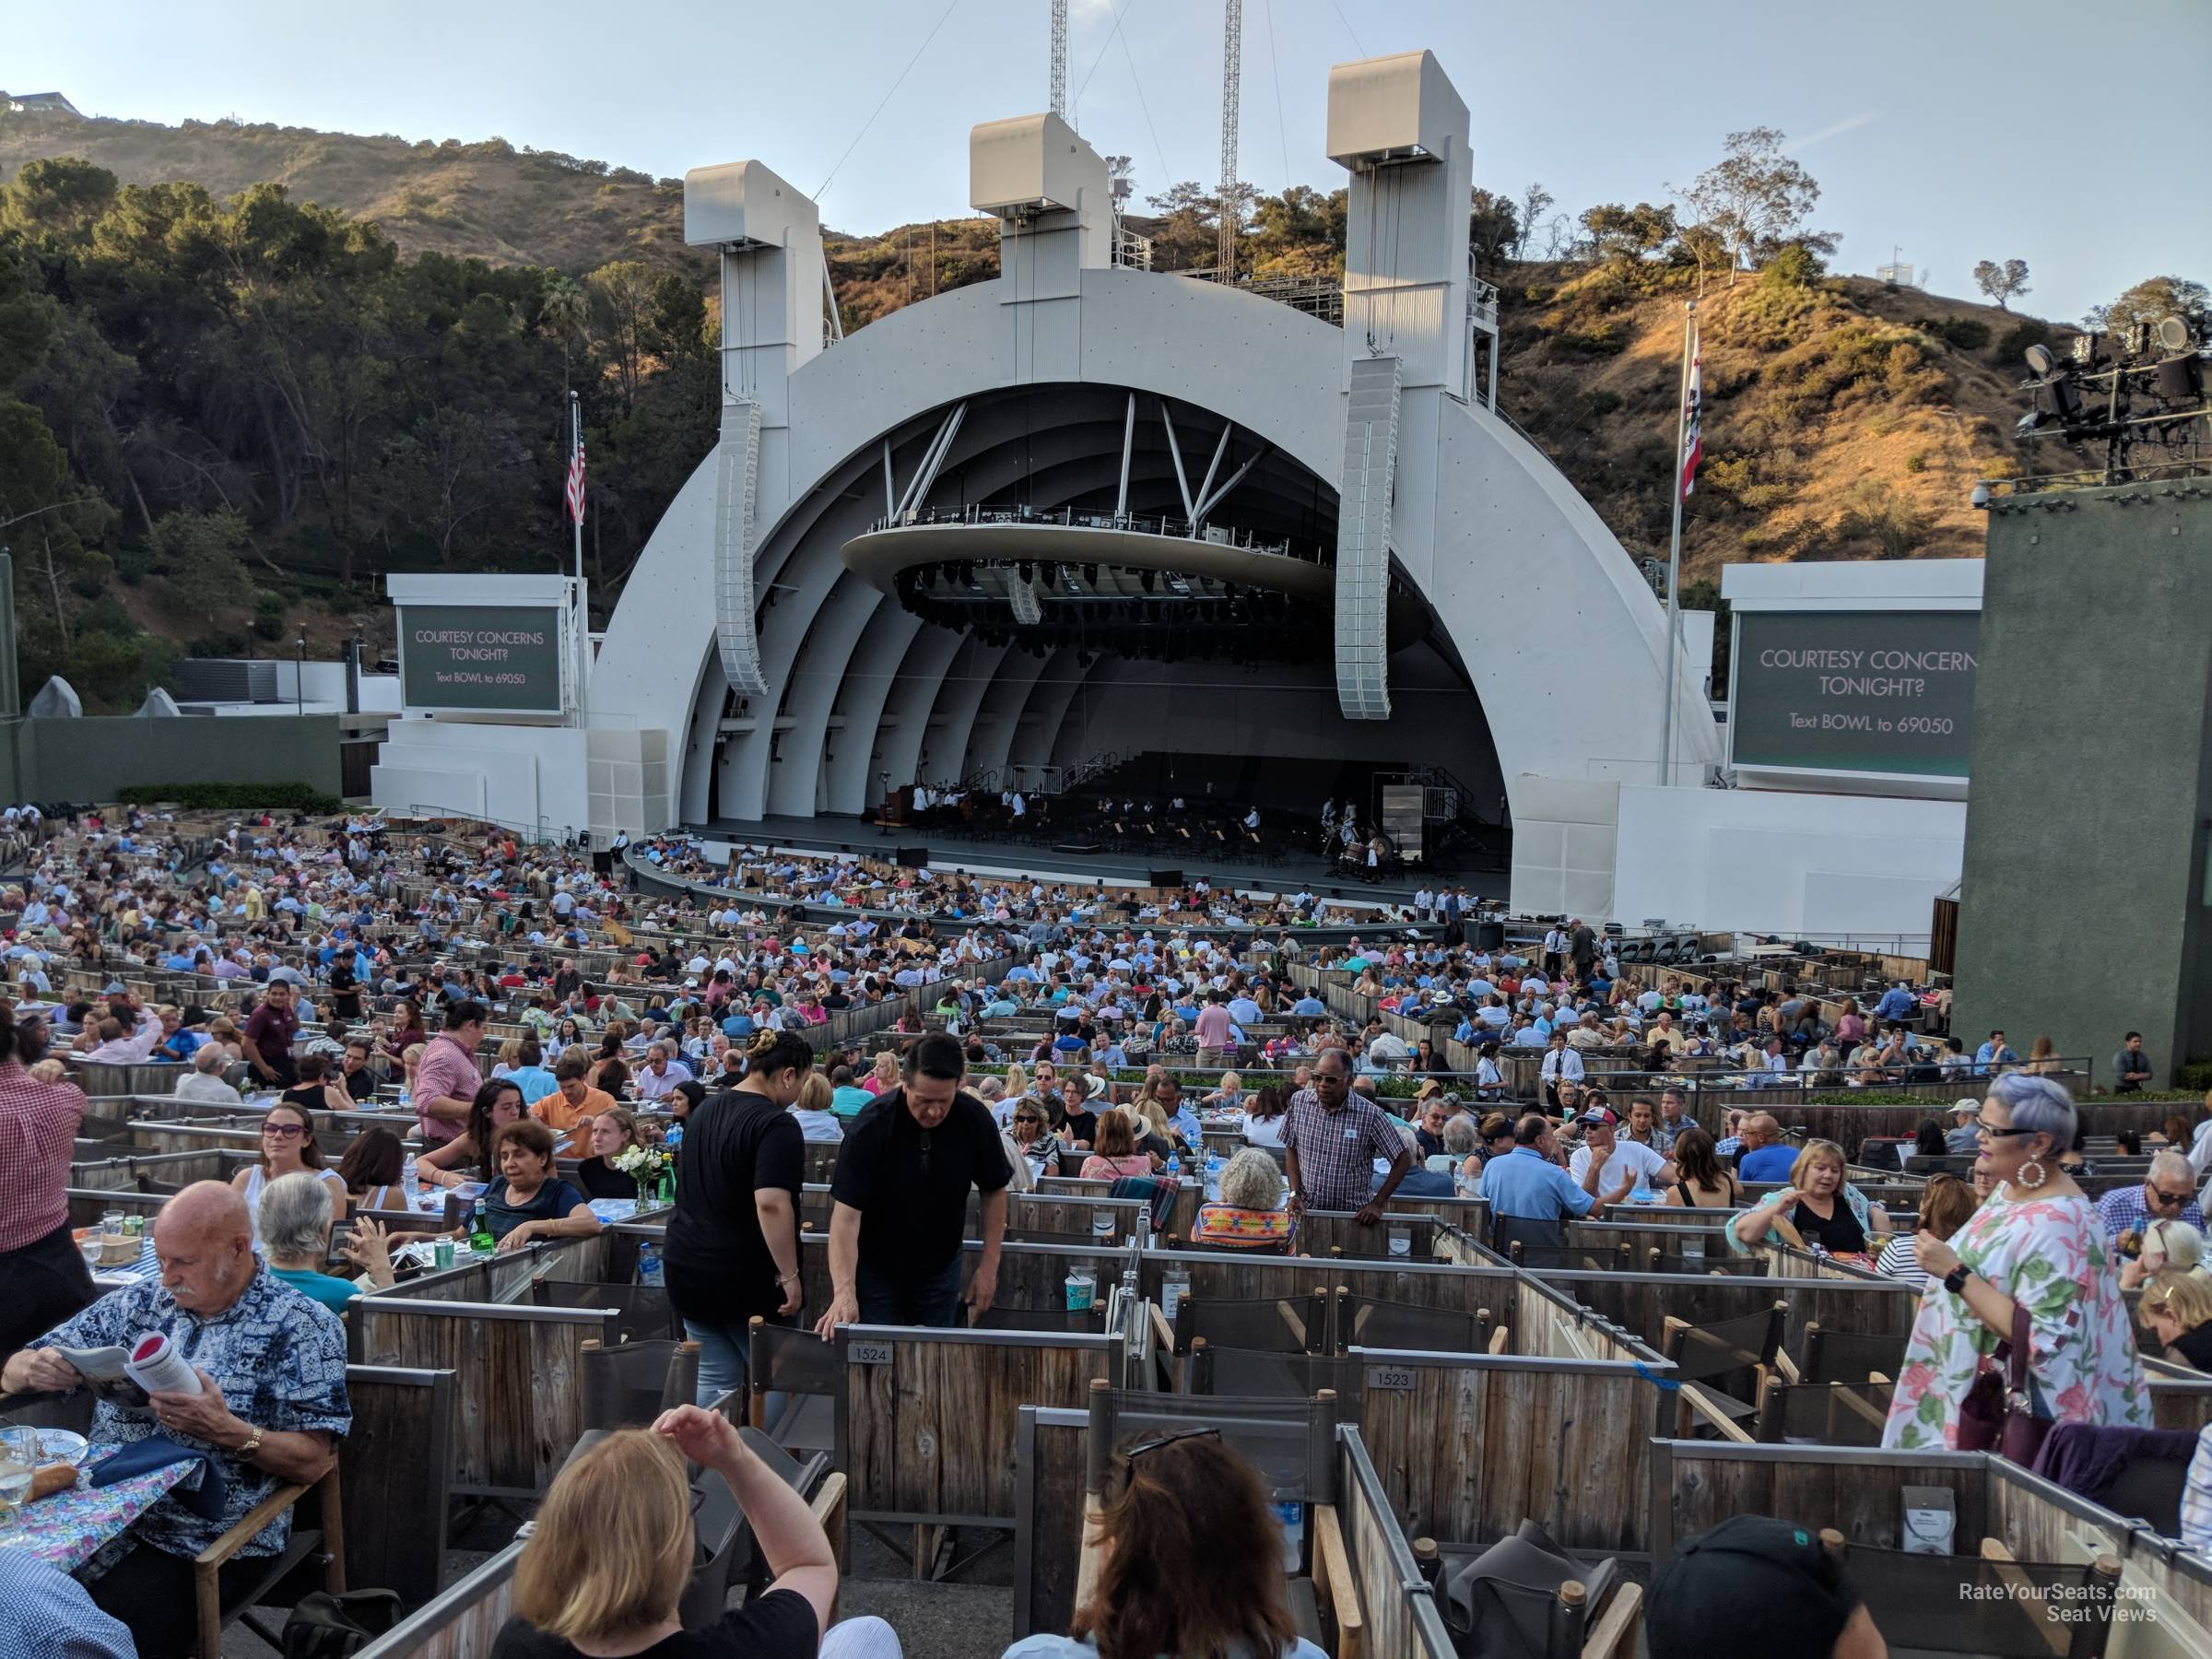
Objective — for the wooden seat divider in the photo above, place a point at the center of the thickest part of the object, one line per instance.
(520, 1404)
(1555, 1429)
(396, 1464)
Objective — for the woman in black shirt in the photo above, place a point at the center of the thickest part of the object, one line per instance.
(613, 1131)
(733, 1243)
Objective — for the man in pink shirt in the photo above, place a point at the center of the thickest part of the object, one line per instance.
(447, 1080)
(1213, 1030)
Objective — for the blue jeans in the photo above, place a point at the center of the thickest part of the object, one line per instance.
(930, 1300)
(721, 1357)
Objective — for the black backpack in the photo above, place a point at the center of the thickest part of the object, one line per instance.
(323, 1626)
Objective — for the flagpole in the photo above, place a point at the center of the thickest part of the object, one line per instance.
(575, 443)
(1674, 556)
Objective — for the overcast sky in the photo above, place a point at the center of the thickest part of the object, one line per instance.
(1957, 130)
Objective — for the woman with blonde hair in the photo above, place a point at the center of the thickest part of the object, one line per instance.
(1229, 1095)
(1818, 1210)
(886, 1073)
(2177, 1310)
(604, 1570)
(2166, 1248)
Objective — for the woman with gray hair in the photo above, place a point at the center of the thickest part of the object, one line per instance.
(2035, 1248)
(1251, 1214)
(294, 1222)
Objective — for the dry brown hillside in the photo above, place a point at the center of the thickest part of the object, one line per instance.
(488, 200)
(1843, 419)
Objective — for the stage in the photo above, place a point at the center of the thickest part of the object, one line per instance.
(985, 858)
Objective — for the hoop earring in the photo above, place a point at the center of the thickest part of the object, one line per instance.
(2041, 1174)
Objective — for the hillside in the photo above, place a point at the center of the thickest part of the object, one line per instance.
(482, 200)
(401, 409)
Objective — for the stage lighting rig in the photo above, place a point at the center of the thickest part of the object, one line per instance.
(2142, 386)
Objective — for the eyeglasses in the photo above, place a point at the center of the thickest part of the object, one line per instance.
(1158, 1440)
(2160, 1195)
(1998, 1131)
(284, 1131)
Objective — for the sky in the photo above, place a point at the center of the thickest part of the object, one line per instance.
(1950, 130)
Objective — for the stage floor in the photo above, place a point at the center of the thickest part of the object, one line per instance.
(984, 857)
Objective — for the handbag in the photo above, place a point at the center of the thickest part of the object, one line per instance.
(1999, 1412)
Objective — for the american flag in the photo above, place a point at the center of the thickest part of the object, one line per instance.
(1692, 444)
(575, 489)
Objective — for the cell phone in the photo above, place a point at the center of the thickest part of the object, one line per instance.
(338, 1235)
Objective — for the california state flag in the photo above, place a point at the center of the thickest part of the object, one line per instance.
(1692, 444)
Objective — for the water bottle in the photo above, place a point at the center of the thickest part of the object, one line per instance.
(479, 1232)
(649, 1271)
(1213, 1168)
(407, 1180)
(1174, 1164)
(674, 1137)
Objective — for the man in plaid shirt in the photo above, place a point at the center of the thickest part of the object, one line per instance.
(39, 1264)
(1332, 1138)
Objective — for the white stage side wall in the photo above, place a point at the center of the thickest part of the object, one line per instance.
(523, 776)
(1800, 864)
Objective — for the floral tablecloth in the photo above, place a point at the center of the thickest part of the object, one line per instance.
(69, 1528)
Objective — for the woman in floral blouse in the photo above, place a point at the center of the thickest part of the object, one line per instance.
(2037, 1243)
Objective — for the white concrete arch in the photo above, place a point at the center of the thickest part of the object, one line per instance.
(1050, 693)
(869, 674)
(952, 713)
(992, 738)
(816, 674)
(905, 724)
(1510, 560)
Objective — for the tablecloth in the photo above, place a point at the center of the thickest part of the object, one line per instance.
(69, 1528)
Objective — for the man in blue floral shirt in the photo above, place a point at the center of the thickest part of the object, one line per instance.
(272, 1370)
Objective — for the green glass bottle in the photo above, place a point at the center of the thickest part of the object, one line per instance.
(479, 1232)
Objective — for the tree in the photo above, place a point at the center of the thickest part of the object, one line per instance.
(622, 298)
(2152, 301)
(1755, 195)
(1189, 227)
(1621, 235)
(1705, 246)
(1535, 200)
(202, 549)
(2000, 282)
(1493, 226)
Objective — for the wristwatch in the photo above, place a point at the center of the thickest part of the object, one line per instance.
(245, 1452)
(1955, 1280)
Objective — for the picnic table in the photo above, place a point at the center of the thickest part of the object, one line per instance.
(68, 1529)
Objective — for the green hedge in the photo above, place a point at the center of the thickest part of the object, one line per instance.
(233, 797)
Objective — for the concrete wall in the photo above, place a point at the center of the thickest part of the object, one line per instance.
(528, 777)
(2082, 914)
(1806, 865)
(94, 758)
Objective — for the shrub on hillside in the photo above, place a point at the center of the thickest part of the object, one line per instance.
(233, 797)
(2011, 345)
(1875, 512)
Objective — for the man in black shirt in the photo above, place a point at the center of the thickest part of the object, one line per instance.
(902, 1198)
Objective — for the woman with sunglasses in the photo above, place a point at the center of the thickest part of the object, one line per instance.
(2036, 1246)
(1030, 1137)
(1171, 1500)
(288, 1146)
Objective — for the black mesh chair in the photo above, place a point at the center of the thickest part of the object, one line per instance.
(1848, 1355)
(1823, 1414)
(647, 1315)
(1368, 1321)
(1284, 1325)
(1224, 1372)
(628, 1387)
(808, 1375)
(1996, 1606)
(1726, 1362)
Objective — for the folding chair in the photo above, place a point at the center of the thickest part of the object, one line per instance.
(1823, 1414)
(1285, 1325)
(1721, 1368)
(1369, 1321)
(323, 1545)
(1848, 1355)
(810, 1374)
(628, 1387)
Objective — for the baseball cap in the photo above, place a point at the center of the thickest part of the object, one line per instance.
(1602, 1116)
(1966, 1107)
(1751, 1584)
